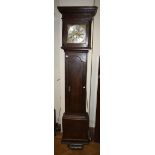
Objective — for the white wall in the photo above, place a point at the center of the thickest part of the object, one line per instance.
(93, 57)
(76, 2)
(57, 42)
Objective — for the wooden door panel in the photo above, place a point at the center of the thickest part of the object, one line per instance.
(75, 75)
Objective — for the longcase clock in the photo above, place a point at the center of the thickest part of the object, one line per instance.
(76, 43)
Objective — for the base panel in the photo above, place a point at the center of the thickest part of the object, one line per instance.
(75, 129)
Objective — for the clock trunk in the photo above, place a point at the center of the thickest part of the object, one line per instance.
(75, 82)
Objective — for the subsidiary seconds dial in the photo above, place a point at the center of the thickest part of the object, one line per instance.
(76, 34)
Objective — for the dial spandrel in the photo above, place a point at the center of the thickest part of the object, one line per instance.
(76, 33)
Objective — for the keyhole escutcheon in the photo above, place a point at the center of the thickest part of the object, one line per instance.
(69, 88)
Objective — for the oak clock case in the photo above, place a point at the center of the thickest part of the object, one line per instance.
(76, 42)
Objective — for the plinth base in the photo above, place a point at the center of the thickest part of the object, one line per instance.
(75, 130)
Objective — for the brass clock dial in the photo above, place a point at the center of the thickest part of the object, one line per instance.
(76, 34)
